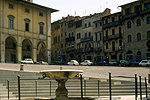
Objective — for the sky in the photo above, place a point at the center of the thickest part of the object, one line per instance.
(81, 7)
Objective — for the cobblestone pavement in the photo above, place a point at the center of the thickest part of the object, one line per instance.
(123, 73)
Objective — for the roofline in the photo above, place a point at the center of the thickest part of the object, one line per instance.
(112, 14)
(34, 4)
(137, 1)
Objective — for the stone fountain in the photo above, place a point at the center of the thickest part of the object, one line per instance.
(61, 76)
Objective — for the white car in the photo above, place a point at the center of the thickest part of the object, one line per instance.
(86, 62)
(27, 61)
(144, 63)
(73, 62)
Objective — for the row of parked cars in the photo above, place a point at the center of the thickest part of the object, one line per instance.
(112, 62)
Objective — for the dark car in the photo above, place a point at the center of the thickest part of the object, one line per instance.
(134, 63)
(102, 63)
(124, 63)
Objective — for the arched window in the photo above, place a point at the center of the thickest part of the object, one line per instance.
(138, 36)
(148, 20)
(138, 22)
(148, 34)
(129, 24)
(27, 21)
(129, 38)
(79, 35)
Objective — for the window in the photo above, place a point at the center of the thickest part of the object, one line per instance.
(27, 21)
(129, 38)
(61, 35)
(147, 5)
(69, 35)
(95, 25)
(85, 34)
(89, 33)
(89, 24)
(106, 45)
(65, 34)
(26, 26)
(138, 22)
(138, 36)
(106, 21)
(127, 11)
(120, 42)
(85, 26)
(11, 6)
(100, 24)
(11, 21)
(113, 31)
(89, 45)
(95, 36)
(27, 10)
(72, 34)
(113, 19)
(129, 24)
(148, 20)
(106, 33)
(40, 14)
(79, 35)
(137, 9)
(41, 28)
(148, 34)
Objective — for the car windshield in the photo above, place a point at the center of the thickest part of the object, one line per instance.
(144, 61)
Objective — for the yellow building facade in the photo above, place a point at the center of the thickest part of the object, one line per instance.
(25, 31)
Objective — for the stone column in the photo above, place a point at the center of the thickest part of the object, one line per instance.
(48, 34)
(34, 54)
(19, 53)
(2, 51)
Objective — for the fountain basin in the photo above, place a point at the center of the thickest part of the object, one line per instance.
(63, 73)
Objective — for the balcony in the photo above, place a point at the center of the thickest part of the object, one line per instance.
(135, 14)
(115, 23)
(70, 49)
(98, 49)
(111, 37)
(80, 50)
(86, 39)
(70, 39)
(88, 50)
(116, 49)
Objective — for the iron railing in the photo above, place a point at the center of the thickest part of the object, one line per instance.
(84, 86)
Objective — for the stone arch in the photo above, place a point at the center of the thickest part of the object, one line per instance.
(129, 55)
(139, 56)
(27, 49)
(41, 51)
(10, 50)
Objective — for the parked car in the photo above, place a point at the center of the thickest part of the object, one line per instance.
(124, 63)
(86, 62)
(113, 62)
(134, 63)
(27, 61)
(73, 62)
(102, 63)
(144, 63)
(43, 63)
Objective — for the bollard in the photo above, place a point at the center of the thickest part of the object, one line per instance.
(21, 67)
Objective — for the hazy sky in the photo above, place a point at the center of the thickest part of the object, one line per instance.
(81, 7)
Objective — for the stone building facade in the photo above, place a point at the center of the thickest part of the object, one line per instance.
(113, 36)
(25, 31)
(136, 23)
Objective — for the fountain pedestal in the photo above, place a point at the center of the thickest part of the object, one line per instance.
(61, 91)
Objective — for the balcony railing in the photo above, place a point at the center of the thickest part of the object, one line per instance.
(116, 49)
(90, 38)
(88, 49)
(70, 39)
(111, 37)
(135, 14)
(70, 49)
(115, 23)
(98, 49)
